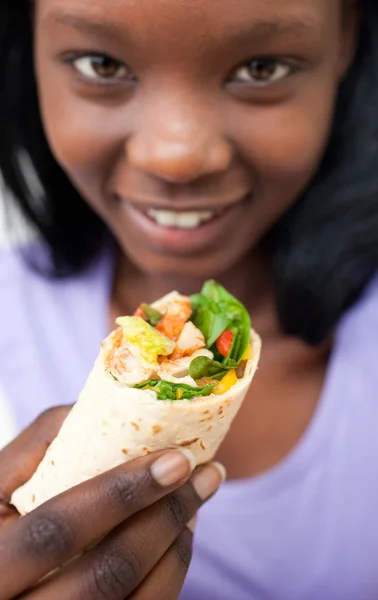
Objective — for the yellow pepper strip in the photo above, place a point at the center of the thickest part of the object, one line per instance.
(248, 353)
(226, 383)
(179, 394)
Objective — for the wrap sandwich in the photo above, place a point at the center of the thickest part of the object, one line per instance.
(173, 375)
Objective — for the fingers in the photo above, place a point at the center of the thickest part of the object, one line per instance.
(68, 524)
(116, 567)
(19, 460)
(167, 578)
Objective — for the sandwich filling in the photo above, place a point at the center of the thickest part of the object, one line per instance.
(181, 347)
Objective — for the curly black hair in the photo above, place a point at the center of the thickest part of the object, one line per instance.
(325, 248)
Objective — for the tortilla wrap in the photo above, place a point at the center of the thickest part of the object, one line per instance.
(111, 424)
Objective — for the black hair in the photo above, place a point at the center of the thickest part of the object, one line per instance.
(37, 184)
(325, 248)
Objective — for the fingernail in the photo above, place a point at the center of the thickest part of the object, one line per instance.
(173, 467)
(192, 524)
(208, 479)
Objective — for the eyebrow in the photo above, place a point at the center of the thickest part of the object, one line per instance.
(280, 25)
(100, 27)
(293, 25)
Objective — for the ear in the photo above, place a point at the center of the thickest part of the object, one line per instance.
(351, 21)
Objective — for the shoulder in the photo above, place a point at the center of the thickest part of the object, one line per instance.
(10, 263)
(21, 282)
(360, 323)
(32, 302)
(48, 328)
(15, 279)
(354, 372)
(31, 299)
(23, 286)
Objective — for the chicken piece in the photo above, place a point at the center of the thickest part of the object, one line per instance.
(124, 362)
(190, 340)
(179, 367)
(178, 311)
(163, 303)
(111, 345)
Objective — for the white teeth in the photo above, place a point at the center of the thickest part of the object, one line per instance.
(181, 220)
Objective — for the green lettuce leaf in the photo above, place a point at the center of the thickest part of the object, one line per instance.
(151, 343)
(216, 310)
(166, 390)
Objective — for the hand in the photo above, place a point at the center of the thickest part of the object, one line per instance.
(120, 535)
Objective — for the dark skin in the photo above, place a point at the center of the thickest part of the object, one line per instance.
(227, 135)
(196, 105)
(184, 118)
(125, 527)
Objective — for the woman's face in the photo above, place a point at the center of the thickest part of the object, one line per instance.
(190, 126)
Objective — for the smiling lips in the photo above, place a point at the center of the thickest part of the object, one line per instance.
(183, 230)
(183, 219)
(180, 220)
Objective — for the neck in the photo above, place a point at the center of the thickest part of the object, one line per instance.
(250, 281)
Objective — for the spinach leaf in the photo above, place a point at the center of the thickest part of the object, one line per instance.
(208, 317)
(166, 390)
(214, 311)
(152, 316)
(202, 366)
(241, 328)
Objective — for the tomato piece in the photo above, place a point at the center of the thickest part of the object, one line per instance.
(140, 313)
(224, 342)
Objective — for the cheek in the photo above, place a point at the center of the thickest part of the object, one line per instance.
(284, 146)
(86, 139)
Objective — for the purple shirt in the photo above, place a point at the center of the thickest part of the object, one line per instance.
(305, 530)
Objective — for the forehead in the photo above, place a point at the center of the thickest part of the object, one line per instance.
(181, 19)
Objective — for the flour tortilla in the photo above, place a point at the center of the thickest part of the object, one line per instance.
(111, 424)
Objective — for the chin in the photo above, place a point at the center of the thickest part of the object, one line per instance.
(205, 265)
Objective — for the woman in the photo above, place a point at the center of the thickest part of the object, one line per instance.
(156, 145)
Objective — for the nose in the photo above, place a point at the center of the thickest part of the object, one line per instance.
(179, 145)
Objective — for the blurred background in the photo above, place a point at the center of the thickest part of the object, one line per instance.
(12, 231)
(12, 228)
(3, 230)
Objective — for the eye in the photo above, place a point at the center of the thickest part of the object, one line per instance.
(101, 68)
(261, 71)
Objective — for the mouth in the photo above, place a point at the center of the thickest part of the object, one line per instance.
(189, 219)
(184, 230)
